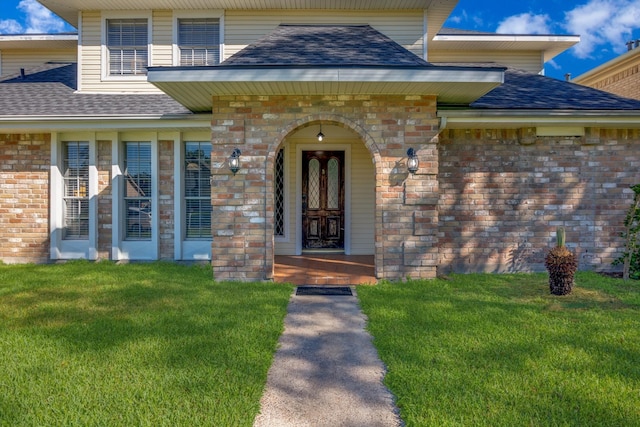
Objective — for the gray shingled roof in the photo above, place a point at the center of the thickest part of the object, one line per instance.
(325, 45)
(50, 91)
(524, 90)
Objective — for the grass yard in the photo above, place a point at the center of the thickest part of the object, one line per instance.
(155, 344)
(498, 350)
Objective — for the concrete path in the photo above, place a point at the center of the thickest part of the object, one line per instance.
(326, 371)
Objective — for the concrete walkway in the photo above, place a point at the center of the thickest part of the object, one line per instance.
(326, 371)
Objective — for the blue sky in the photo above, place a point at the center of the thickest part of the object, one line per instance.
(603, 25)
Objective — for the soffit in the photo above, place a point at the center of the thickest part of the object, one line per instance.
(439, 10)
(550, 45)
(195, 87)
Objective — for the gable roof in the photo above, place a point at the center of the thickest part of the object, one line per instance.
(323, 60)
(325, 45)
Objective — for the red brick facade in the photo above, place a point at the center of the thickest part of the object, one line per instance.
(502, 197)
(24, 197)
(257, 125)
(483, 200)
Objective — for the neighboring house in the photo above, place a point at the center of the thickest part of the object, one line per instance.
(620, 76)
(121, 146)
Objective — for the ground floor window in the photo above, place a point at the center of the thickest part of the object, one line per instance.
(76, 190)
(137, 191)
(197, 190)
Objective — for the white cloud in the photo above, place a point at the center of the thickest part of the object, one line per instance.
(603, 24)
(10, 26)
(40, 19)
(525, 23)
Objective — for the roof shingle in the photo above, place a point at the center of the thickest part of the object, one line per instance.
(325, 45)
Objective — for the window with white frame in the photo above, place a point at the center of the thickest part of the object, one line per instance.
(127, 46)
(137, 190)
(199, 41)
(197, 190)
(278, 195)
(76, 190)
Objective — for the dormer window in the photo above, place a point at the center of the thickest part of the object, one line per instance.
(199, 41)
(127, 46)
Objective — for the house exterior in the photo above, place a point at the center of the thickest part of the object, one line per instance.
(189, 130)
(620, 76)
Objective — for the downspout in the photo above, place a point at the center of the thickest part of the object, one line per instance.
(425, 36)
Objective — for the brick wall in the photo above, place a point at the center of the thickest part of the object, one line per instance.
(625, 82)
(105, 199)
(502, 197)
(166, 199)
(242, 246)
(24, 197)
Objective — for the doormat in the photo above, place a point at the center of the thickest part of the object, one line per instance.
(323, 290)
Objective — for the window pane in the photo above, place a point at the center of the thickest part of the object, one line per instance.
(199, 41)
(278, 195)
(137, 191)
(314, 184)
(76, 190)
(197, 189)
(127, 46)
(333, 184)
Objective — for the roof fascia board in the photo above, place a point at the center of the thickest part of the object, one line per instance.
(58, 123)
(520, 118)
(337, 74)
(507, 38)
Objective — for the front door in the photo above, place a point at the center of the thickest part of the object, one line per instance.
(322, 200)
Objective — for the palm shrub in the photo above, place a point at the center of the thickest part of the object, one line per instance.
(561, 264)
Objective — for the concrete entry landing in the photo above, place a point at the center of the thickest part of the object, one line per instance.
(324, 269)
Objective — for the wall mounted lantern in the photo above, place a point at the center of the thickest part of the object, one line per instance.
(320, 135)
(234, 161)
(412, 162)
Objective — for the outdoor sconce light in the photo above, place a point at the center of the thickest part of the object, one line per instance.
(320, 135)
(412, 162)
(234, 161)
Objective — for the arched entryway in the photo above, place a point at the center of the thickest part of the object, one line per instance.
(324, 205)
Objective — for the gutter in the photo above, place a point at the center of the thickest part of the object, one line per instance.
(519, 118)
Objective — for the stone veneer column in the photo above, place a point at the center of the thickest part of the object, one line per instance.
(406, 215)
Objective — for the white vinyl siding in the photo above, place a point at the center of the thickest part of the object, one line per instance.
(162, 50)
(14, 60)
(91, 54)
(363, 195)
(524, 60)
(245, 27)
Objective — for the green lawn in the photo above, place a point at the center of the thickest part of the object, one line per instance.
(498, 350)
(159, 344)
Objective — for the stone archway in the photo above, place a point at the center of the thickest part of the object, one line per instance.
(243, 243)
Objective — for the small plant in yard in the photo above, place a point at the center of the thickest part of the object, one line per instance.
(561, 264)
(630, 259)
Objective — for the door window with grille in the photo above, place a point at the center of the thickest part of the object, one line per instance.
(197, 190)
(76, 190)
(137, 191)
(127, 46)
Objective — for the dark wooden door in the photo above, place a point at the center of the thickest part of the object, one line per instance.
(323, 199)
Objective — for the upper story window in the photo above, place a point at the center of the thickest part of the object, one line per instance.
(127, 46)
(199, 41)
